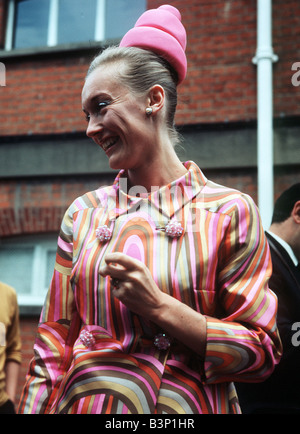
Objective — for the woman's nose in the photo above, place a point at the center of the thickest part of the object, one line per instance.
(93, 128)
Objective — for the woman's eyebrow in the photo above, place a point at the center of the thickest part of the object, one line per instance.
(100, 95)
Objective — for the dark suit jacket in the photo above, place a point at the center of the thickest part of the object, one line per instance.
(281, 392)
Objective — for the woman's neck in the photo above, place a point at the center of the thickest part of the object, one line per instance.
(156, 174)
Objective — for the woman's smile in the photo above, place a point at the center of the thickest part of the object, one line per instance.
(109, 143)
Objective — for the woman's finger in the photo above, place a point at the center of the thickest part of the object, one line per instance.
(122, 260)
(113, 270)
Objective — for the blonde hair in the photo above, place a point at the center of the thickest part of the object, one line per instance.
(142, 69)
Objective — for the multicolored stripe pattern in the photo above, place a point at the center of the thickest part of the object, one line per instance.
(219, 266)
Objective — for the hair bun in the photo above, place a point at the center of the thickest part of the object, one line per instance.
(161, 31)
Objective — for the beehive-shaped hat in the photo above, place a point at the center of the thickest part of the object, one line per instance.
(161, 31)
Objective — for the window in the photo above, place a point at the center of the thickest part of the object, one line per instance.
(38, 23)
(26, 264)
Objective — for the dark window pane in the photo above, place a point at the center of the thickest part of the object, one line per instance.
(31, 23)
(16, 267)
(76, 21)
(121, 15)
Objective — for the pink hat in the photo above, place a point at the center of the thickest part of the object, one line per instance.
(161, 31)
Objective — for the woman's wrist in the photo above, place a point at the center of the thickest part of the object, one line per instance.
(181, 322)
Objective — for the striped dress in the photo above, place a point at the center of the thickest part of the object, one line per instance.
(93, 355)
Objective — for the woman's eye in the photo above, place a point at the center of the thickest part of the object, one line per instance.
(102, 105)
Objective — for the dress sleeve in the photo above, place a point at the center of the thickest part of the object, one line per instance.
(57, 330)
(243, 344)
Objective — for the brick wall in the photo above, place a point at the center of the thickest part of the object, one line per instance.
(42, 96)
(34, 206)
(286, 43)
(220, 84)
(43, 93)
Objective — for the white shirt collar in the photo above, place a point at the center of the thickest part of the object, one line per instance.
(286, 246)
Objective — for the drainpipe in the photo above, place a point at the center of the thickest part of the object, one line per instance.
(264, 59)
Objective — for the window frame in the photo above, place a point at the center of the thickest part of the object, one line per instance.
(53, 24)
(41, 244)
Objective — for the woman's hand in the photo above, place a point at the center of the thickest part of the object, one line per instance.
(135, 286)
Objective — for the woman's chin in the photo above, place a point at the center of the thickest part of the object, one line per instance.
(115, 163)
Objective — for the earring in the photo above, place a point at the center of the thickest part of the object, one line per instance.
(149, 111)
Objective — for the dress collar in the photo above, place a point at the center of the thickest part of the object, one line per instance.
(168, 199)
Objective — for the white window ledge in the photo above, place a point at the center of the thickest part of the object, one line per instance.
(72, 47)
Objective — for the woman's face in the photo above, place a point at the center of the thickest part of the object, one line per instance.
(117, 119)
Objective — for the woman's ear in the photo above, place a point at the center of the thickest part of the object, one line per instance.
(156, 98)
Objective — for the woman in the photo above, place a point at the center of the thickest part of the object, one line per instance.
(159, 298)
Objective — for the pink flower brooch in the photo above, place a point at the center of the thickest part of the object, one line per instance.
(174, 229)
(87, 339)
(103, 233)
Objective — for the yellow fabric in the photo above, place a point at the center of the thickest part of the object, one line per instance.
(10, 340)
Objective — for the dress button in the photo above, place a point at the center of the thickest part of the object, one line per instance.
(174, 229)
(103, 233)
(162, 341)
(87, 339)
